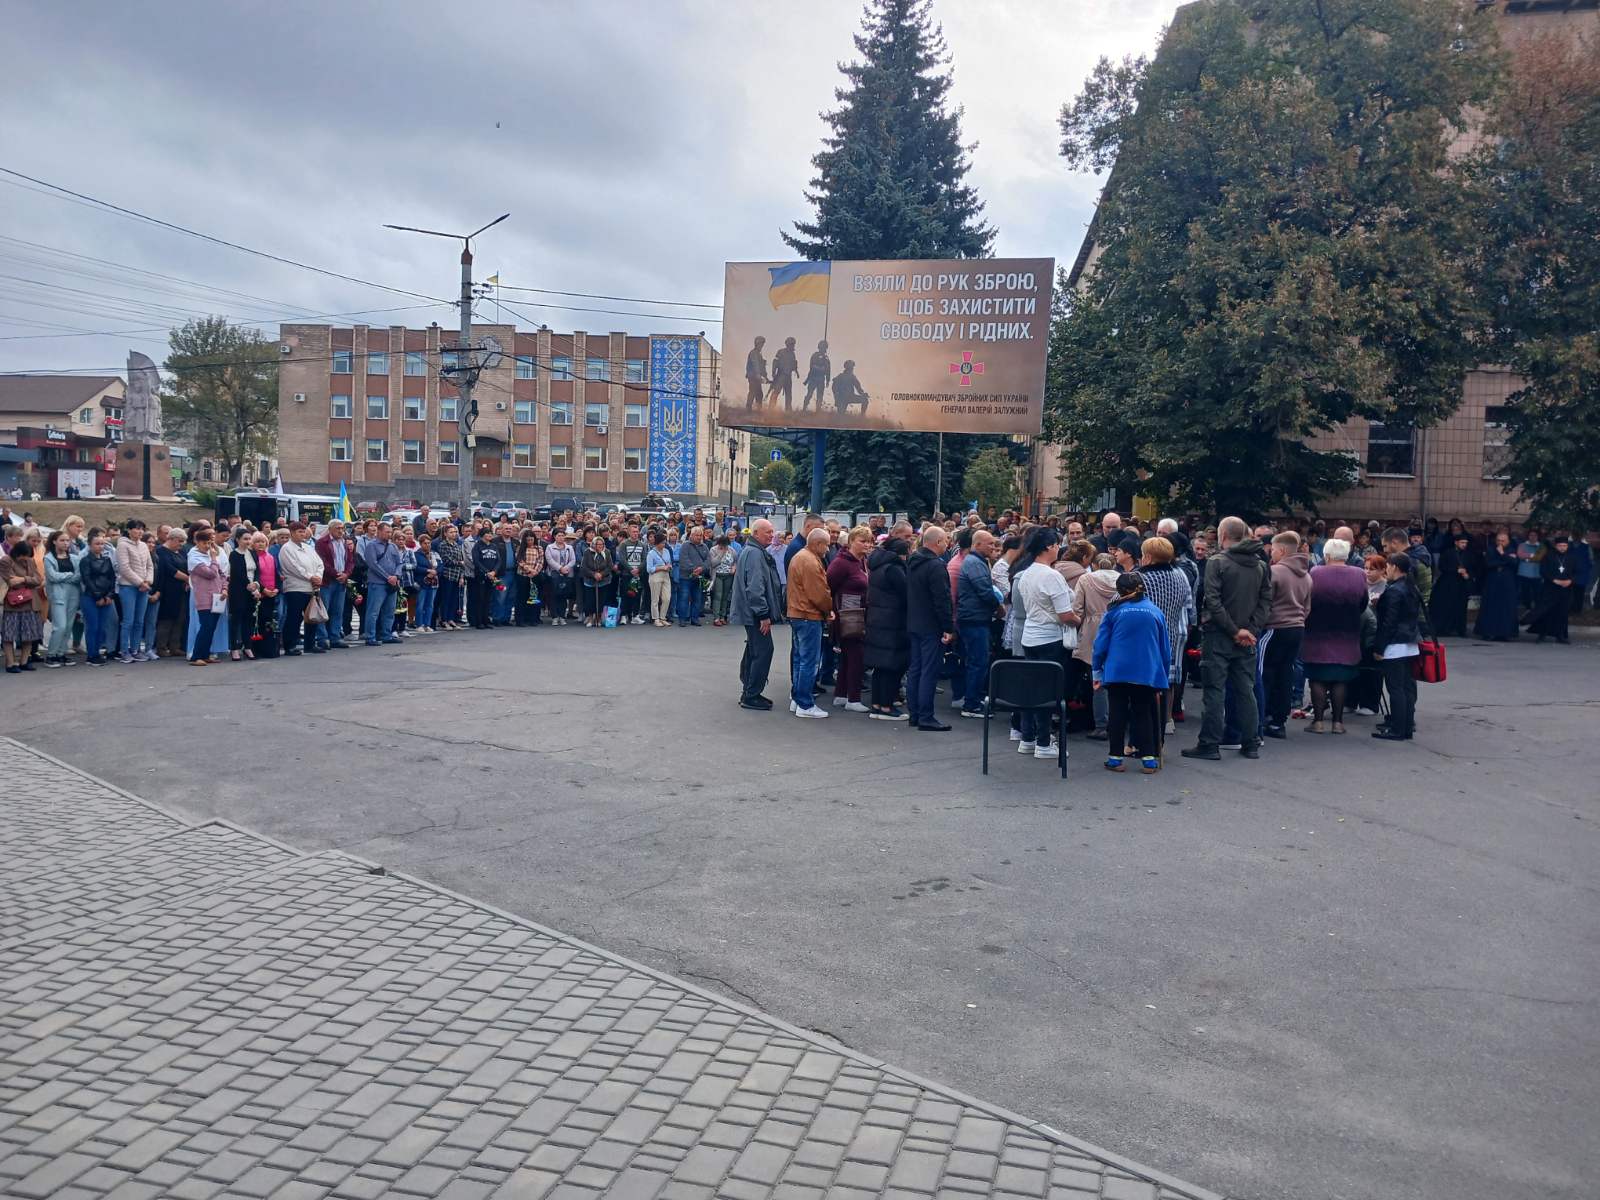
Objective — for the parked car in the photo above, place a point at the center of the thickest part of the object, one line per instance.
(767, 497)
(508, 508)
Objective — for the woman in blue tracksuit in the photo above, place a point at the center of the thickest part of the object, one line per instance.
(1131, 659)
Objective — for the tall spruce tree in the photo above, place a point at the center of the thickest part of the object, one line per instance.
(890, 183)
(1283, 242)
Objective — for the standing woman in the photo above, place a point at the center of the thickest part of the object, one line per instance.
(452, 570)
(1132, 662)
(208, 596)
(887, 648)
(597, 572)
(1047, 612)
(1448, 605)
(267, 576)
(244, 594)
(1559, 572)
(1092, 596)
(530, 579)
(427, 583)
(21, 622)
(485, 578)
(1399, 608)
(172, 582)
(1497, 615)
(1331, 649)
(847, 580)
(65, 589)
(560, 564)
(98, 575)
(1168, 589)
(724, 561)
(658, 568)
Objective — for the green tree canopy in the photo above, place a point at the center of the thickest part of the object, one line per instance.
(778, 478)
(891, 183)
(1541, 176)
(223, 397)
(1283, 243)
(991, 480)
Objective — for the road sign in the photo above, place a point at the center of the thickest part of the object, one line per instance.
(776, 456)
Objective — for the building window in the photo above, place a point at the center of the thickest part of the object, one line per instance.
(561, 457)
(524, 366)
(263, 469)
(411, 451)
(634, 369)
(86, 416)
(447, 410)
(207, 472)
(522, 413)
(633, 460)
(596, 416)
(416, 362)
(447, 454)
(594, 458)
(416, 408)
(377, 450)
(377, 408)
(561, 412)
(449, 359)
(1496, 443)
(561, 367)
(597, 368)
(377, 364)
(339, 406)
(341, 362)
(636, 416)
(522, 454)
(1391, 449)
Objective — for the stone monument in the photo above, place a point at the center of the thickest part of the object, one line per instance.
(144, 461)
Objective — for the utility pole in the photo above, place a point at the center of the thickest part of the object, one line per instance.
(464, 372)
(938, 481)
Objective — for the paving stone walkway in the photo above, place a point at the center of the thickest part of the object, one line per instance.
(195, 1011)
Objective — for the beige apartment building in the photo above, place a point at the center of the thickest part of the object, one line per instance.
(605, 416)
(1453, 469)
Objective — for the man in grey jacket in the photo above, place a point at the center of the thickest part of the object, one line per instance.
(757, 602)
(1237, 599)
(694, 568)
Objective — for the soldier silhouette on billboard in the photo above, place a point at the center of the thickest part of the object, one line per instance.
(755, 373)
(817, 376)
(847, 389)
(785, 366)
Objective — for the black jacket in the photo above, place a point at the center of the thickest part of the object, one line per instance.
(1398, 610)
(99, 575)
(239, 597)
(928, 607)
(486, 557)
(887, 647)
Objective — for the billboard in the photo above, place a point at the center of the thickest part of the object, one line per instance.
(943, 346)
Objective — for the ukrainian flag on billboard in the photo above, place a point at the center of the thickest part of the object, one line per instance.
(798, 283)
(347, 513)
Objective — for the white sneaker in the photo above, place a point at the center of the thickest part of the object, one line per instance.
(1230, 746)
(958, 702)
(1045, 750)
(794, 708)
(150, 656)
(839, 702)
(1172, 726)
(856, 706)
(1025, 747)
(1016, 735)
(813, 711)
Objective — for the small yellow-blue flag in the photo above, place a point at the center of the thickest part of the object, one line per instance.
(346, 511)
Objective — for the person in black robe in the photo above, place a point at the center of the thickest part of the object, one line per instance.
(1558, 576)
(1497, 617)
(1451, 584)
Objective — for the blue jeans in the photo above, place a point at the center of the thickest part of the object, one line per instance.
(151, 611)
(975, 654)
(927, 654)
(425, 600)
(694, 599)
(332, 630)
(804, 655)
(680, 600)
(501, 601)
(134, 603)
(379, 622)
(96, 623)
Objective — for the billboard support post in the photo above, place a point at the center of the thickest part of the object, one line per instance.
(938, 480)
(819, 447)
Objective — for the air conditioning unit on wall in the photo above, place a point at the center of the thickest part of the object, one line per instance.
(499, 406)
(299, 397)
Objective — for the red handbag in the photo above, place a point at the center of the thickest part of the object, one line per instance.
(1429, 665)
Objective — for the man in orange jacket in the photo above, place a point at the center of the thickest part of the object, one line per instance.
(810, 607)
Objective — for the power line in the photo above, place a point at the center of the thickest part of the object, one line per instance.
(615, 312)
(596, 296)
(243, 323)
(133, 214)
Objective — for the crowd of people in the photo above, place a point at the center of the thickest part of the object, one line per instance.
(884, 616)
(1257, 617)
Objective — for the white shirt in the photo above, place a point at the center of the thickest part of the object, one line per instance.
(1043, 595)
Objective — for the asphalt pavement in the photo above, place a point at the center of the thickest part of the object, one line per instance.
(1351, 969)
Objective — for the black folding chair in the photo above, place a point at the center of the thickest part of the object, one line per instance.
(1019, 683)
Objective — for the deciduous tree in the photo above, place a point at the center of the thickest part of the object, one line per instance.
(223, 392)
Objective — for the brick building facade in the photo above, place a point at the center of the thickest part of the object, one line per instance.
(607, 416)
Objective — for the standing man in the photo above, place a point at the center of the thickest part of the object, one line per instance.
(757, 601)
(810, 606)
(1237, 599)
(929, 624)
(338, 556)
(383, 583)
(694, 568)
(299, 577)
(976, 606)
(504, 597)
(1110, 531)
(631, 585)
(1286, 627)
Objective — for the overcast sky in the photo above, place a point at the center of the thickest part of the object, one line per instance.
(638, 145)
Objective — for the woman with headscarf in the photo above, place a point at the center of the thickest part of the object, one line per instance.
(1497, 613)
(1559, 573)
(1452, 581)
(597, 569)
(887, 650)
